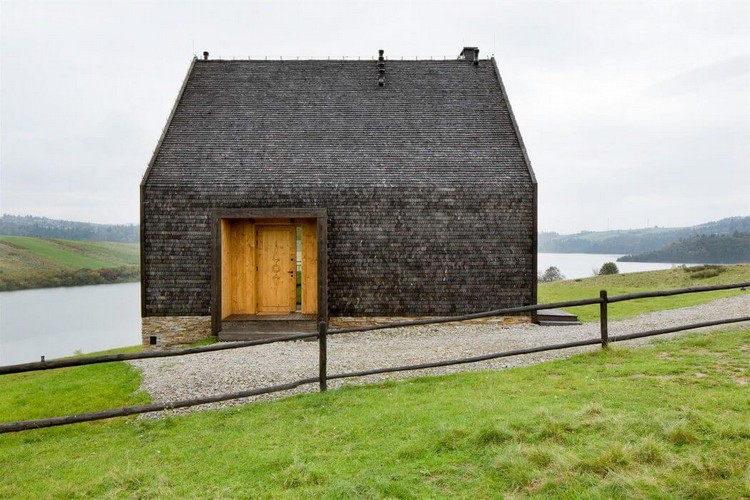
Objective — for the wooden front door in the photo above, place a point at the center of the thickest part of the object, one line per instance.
(276, 269)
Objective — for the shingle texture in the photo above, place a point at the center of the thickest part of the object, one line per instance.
(430, 201)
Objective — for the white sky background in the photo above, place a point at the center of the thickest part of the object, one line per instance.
(633, 113)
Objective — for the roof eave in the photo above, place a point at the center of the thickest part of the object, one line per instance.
(169, 122)
(513, 122)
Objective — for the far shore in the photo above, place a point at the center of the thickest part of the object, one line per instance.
(79, 277)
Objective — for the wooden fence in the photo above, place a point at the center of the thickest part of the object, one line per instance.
(322, 335)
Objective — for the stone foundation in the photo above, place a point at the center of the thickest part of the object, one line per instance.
(356, 322)
(173, 331)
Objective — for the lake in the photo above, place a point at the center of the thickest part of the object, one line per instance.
(581, 265)
(57, 322)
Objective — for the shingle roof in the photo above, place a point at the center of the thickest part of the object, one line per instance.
(328, 123)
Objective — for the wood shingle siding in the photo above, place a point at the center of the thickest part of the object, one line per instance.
(430, 199)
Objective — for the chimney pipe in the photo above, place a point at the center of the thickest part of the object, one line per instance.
(381, 68)
(205, 55)
(470, 54)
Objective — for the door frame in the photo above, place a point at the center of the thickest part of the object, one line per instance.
(321, 217)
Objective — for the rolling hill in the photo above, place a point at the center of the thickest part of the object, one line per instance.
(634, 241)
(27, 262)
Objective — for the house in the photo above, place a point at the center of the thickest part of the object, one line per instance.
(285, 192)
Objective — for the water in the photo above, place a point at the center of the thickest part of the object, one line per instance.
(57, 322)
(581, 265)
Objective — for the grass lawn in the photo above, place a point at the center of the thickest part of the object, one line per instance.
(666, 421)
(71, 390)
(619, 284)
(27, 262)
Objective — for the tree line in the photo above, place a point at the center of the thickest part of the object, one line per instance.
(42, 227)
(635, 241)
(706, 249)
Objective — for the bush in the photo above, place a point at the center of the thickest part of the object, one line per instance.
(608, 268)
(701, 272)
(551, 274)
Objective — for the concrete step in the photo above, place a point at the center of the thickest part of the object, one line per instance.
(556, 317)
(558, 323)
(261, 329)
(225, 336)
(269, 326)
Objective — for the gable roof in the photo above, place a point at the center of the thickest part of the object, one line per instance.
(328, 123)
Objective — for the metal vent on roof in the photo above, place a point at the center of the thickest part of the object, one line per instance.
(205, 55)
(381, 68)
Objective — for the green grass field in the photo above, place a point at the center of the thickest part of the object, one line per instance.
(661, 422)
(619, 284)
(27, 262)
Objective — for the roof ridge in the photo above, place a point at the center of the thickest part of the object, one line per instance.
(220, 60)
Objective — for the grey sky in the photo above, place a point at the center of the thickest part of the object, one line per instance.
(633, 113)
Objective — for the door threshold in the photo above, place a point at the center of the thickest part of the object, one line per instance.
(295, 316)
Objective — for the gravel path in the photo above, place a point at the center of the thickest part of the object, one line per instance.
(184, 377)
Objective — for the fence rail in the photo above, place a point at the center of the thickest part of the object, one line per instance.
(108, 358)
(135, 410)
(322, 335)
(677, 291)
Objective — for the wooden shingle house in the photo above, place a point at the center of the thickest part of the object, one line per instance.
(285, 192)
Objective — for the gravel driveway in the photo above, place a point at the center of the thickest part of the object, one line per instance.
(184, 377)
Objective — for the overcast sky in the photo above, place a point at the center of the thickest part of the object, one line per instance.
(633, 113)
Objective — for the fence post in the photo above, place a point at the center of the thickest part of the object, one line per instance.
(323, 354)
(603, 318)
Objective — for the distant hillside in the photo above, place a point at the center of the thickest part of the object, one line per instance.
(635, 241)
(27, 262)
(712, 249)
(42, 227)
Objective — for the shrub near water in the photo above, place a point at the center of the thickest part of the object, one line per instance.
(551, 274)
(608, 268)
(78, 277)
